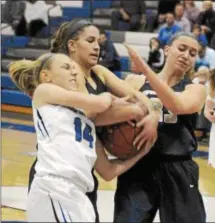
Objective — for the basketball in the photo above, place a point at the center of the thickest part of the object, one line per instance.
(118, 140)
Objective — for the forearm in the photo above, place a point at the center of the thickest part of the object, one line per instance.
(167, 96)
(118, 167)
(118, 114)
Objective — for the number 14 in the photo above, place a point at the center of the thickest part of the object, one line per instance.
(85, 134)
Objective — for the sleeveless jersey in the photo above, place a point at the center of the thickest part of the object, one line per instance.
(100, 88)
(175, 132)
(66, 144)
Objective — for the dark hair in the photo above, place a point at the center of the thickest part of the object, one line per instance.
(212, 79)
(196, 26)
(179, 34)
(67, 31)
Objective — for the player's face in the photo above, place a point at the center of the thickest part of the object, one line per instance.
(63, 72)
(182, 54)
(87, 47)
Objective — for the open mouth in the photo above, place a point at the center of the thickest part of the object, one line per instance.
(73, 81)
(95, 55)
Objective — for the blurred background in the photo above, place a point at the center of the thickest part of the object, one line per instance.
(26, 29)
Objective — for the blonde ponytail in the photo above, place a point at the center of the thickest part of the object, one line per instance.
(23, 75)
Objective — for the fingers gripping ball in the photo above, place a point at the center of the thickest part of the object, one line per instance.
(118, 140)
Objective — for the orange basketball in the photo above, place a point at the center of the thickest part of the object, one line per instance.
(118, 140)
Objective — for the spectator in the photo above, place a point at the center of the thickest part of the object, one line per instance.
(191, 12)
(168, 29)
(13, 14)
(202, 125)
(206, 56)
(207, 19)
(108, 56)
(132, 12)
(212, 43)
(155, 21)
(180, 19)
(36, 16)
(156, 55)
(201, 37)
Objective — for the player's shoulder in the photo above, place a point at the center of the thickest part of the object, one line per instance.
(100, 72)
(136, 81)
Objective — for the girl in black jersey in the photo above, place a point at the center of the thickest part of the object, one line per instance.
(79, 40)
(167, 178)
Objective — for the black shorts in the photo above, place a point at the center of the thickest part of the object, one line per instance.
(167, 183)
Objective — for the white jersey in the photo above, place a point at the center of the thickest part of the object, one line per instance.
(66, 144)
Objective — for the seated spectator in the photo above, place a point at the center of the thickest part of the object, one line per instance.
(202, 125)
(212, 43)
(201, 37)
(36, 16)
(206, 57)
(131, 12)
(156, 55)
(181, 20)
(168, 29)
(191, 11)
(206, 19)
(13, 14)
(108, 56)
(155, 21)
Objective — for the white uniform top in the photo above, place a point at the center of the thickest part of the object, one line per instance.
(66, 144)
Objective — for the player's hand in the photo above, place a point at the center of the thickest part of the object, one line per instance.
(148, 135)
(108, 98)
(137, 62)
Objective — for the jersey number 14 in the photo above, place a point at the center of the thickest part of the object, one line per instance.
(86, 133)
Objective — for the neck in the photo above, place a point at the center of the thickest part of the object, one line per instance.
(85, 70)
(170, 77)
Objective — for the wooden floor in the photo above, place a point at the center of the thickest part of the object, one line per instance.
(18, 154)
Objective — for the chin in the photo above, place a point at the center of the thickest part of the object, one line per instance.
(93, 62)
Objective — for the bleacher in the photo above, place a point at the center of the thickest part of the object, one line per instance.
(19, 47)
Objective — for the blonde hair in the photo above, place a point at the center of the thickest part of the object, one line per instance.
(212, 79)
(26, 73)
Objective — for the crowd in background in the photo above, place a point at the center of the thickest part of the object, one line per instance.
(30, 18)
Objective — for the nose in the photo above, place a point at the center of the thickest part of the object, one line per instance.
(186, 54)
(96, 46)
(74, 70)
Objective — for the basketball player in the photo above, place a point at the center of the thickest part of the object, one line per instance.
(79, 40)
(167, 178)
(66, 139)
(210, 115)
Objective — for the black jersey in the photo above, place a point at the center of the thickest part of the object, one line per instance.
(175, 132)
(100, 88)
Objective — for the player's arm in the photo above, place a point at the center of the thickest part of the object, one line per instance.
(120, 111)
(109, 169)
(119, 87)
(189, 101)
(53, 94)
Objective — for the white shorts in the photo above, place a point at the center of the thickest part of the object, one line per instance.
(211, 158)
(45, 205)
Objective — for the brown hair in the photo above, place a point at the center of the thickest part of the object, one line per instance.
(67, 31)
(212, 79)
(26, 73)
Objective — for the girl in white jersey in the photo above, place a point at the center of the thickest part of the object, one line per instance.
(66, 139)
(210, 115)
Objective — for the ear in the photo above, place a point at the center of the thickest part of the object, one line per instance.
(45, 76)
(166, 50)
(71, 45)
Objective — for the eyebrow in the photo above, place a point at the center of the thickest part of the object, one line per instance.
(188, 46)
